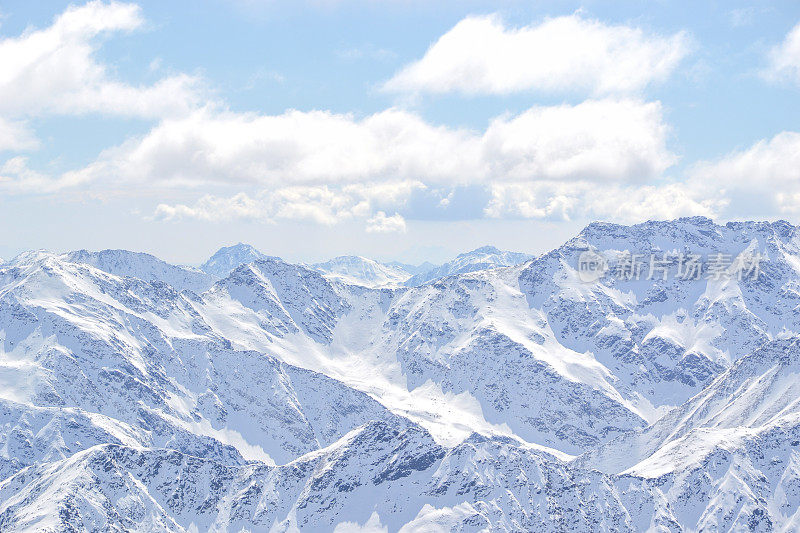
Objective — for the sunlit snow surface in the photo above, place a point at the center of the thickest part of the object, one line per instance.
(500, 392)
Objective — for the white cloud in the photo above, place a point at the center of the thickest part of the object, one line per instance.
(16, 177)
(587, 200)
(53, 70)
(607, 140)
(772, 162)
(321, 204)
(480, 55)
(381, 223)
(15, 135)
(292, 148)
(784, 59)
(326, 167)
(214, 208)
(651, 202)
(759, 180)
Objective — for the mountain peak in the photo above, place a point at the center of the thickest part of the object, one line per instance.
(238, 247)
(483, 250)
(478, 259)
(123, 263)
(228, 258)
(697, 220)
(358, 270)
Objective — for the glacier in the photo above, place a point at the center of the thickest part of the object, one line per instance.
(497, 392)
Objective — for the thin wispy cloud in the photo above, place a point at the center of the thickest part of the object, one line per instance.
(784, 59)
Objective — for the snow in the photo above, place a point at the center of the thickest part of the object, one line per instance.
(229, 258)
(356, 270)
(499, 392)
(478, 259)
(373, 525)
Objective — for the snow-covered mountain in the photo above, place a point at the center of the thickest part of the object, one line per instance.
(228, 258)
(478, 259)
(145, 267)
(413, 269)
(357, 270)
(519, 398)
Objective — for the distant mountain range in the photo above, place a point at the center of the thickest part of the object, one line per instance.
(254, 394)
(357, 270)
(479, 259)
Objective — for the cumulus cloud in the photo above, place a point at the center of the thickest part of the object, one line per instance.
(784, 59)
(214, 208)
(17, 177)
(759, 180)
(330, 167)
(326, 205)
(327, 167)
(605, 140)
(587, 200)
(481, 55)
(16, 136)
(381, 223)
(294, 147)
(54, 70)
(600, 158)
(774, 161)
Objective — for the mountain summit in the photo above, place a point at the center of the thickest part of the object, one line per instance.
(226, 259)
(478, 259)
(359, 270)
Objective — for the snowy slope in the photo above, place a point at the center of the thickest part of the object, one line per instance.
(478, 259)
(142, 396)
(139, 353)
(759, 392)
(357, 270)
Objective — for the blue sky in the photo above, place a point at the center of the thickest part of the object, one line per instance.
(399, 129)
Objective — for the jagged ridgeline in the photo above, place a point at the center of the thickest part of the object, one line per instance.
(498, 391)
